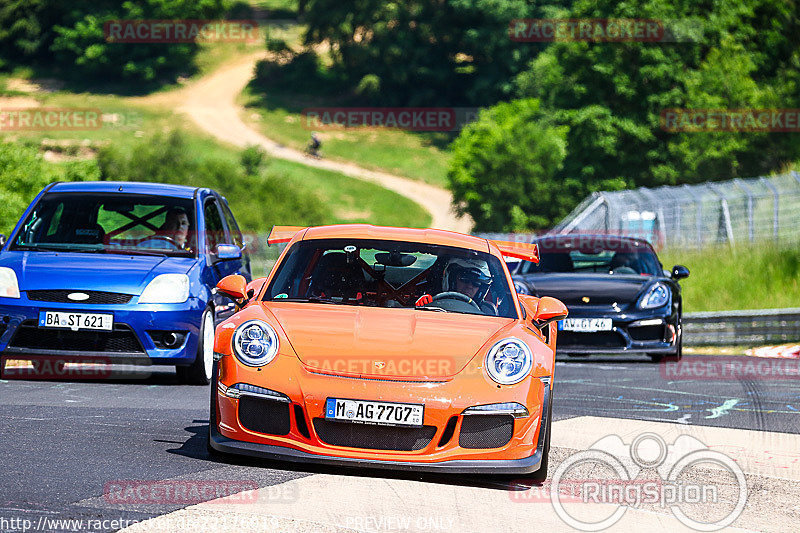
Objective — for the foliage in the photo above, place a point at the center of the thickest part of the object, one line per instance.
(503, 167)
(70, 36)
(610, 96)
(259, 199)
(25, 173)
(423, 52)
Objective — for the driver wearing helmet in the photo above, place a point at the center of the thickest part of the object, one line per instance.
(468, 277)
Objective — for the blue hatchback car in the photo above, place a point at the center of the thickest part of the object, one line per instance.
(121, 271)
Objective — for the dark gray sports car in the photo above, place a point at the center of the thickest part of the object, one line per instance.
(620, 299)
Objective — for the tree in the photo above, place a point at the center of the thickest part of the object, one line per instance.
(503, 167)
(424, 52)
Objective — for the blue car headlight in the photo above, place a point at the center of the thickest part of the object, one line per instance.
(166, 289)
(509, 361)
(255, 343)
(9, 288)
(657, 296)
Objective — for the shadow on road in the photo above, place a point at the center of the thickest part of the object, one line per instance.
(195, 447)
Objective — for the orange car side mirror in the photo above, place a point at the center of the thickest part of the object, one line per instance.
(234, 286)
(529, 304)
(549, 310)
(254, 287)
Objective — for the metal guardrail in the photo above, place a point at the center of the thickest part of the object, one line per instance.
(748, 327)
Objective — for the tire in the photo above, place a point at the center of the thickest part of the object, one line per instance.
(677, 356)
(199, 372)
(541, 475)
(212, 414)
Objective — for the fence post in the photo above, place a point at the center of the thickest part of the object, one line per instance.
(746, 189)
(775, 222)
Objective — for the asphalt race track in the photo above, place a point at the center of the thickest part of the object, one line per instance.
(65, 443)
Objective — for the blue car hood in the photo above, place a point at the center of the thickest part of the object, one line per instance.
(87, 271)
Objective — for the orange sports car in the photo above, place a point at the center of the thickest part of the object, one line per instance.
(387, 347)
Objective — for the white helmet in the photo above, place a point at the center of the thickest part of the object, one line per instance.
(473, 270)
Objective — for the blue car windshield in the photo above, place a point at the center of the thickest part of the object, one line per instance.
(110, 223)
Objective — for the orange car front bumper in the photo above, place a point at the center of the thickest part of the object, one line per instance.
(292, 425)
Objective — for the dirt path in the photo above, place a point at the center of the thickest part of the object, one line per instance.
(211, 103)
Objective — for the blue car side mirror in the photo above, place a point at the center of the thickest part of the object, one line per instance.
(228, 252)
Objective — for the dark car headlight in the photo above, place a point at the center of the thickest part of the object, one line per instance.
(521, 288)
(656, 296)
(255, 343)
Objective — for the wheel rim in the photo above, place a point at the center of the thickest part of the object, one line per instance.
(208, 343)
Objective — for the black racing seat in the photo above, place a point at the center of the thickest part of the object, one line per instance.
(334, 277)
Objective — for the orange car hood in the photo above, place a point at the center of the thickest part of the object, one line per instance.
(371, 341)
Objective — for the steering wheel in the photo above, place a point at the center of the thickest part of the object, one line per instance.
(453, 295)
(169, 240)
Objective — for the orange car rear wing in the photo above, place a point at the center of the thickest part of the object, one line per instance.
(281, 234)
(519, 250)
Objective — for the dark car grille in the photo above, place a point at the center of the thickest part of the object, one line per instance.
(120, 340)
(647, 333)
(404, 439)
(599, 339)
(264, 416)
(95, 297)
(486, 431)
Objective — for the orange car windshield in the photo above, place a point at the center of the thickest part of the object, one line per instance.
(378, 273)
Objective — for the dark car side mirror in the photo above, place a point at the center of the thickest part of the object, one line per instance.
(680, 272)
(227, 252)
(233, 286)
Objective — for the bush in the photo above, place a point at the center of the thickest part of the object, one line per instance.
(24, 173)
(70, 34)
(503, 167)
(259, 199)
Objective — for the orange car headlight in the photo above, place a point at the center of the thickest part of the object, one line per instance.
(255, 343)
(509, 361)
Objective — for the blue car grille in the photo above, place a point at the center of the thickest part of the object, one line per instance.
(29, 337)
(95, 297)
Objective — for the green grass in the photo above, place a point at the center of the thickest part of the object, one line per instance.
(352, 200)
(419, 156)
(758, 276)
(345, 199)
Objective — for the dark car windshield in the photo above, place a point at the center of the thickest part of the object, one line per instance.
(378, 273)
(615, 257)
(110, 223)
